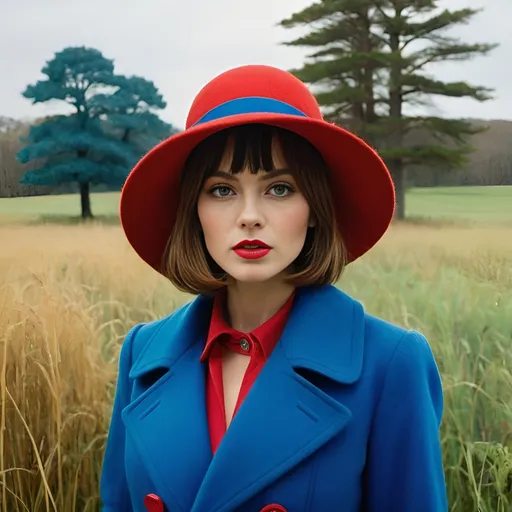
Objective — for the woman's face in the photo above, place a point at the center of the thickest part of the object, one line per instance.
(265, 210)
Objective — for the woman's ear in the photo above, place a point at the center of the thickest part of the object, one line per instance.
(312, 222)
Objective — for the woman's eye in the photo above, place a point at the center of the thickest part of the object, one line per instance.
(221, 191)
(281, 189)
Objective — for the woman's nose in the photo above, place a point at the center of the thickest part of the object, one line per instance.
(251, 215)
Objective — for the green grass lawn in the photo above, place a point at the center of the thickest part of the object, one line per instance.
(486, 204)
(57, 208)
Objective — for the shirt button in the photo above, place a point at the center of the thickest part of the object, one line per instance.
(244, 345)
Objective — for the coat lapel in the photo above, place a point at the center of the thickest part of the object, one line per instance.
(285, 418)
(168, 421)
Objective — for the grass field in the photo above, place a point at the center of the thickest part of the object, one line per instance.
(69, 293)
(473, 204)
(484, 204)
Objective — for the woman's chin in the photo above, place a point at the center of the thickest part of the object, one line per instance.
(253, 275)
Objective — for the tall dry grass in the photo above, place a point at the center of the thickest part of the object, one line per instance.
(69, 294)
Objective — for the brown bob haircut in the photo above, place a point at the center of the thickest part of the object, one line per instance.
(186, 261)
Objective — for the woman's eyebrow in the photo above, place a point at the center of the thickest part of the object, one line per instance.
(266, 176)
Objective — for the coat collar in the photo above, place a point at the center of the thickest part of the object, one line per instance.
(324, 334)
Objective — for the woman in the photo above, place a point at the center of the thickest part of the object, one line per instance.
(272, 390)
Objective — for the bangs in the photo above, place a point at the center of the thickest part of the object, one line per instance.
(251, 147)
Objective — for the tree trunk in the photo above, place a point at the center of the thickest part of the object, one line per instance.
(85, 200)
(368, 73)
(396, 165)
(398, 173)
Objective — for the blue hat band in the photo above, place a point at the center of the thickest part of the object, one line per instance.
(250, 105)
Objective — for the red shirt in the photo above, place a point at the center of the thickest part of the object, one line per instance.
(259, 344)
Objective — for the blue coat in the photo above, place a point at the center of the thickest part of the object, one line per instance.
(344, 416)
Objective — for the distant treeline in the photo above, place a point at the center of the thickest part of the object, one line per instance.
(490, 164)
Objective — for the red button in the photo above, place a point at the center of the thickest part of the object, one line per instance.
(273, 508)
(153, 503)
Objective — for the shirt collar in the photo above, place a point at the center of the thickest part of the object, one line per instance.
(319, 313)
(266, 335)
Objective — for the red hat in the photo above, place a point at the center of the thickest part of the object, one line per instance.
(363, 191)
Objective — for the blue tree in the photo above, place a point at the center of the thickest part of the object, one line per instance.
(130, 111)
(112, 124)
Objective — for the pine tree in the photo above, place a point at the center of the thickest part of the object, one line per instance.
(372, 62)
(112, 124)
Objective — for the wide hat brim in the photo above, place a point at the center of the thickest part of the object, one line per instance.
(362, 188)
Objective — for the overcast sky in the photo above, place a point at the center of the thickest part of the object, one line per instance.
(181, 44)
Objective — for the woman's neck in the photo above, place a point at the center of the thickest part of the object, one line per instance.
(251, 304)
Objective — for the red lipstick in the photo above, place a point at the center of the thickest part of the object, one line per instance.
(251, 249)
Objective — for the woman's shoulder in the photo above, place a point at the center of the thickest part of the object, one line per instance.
(385, 338)
(378, 335)
(185, 322)
(384, 345)
(399, 358)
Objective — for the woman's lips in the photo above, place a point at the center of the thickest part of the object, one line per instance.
(251, 244)
(252, 254)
